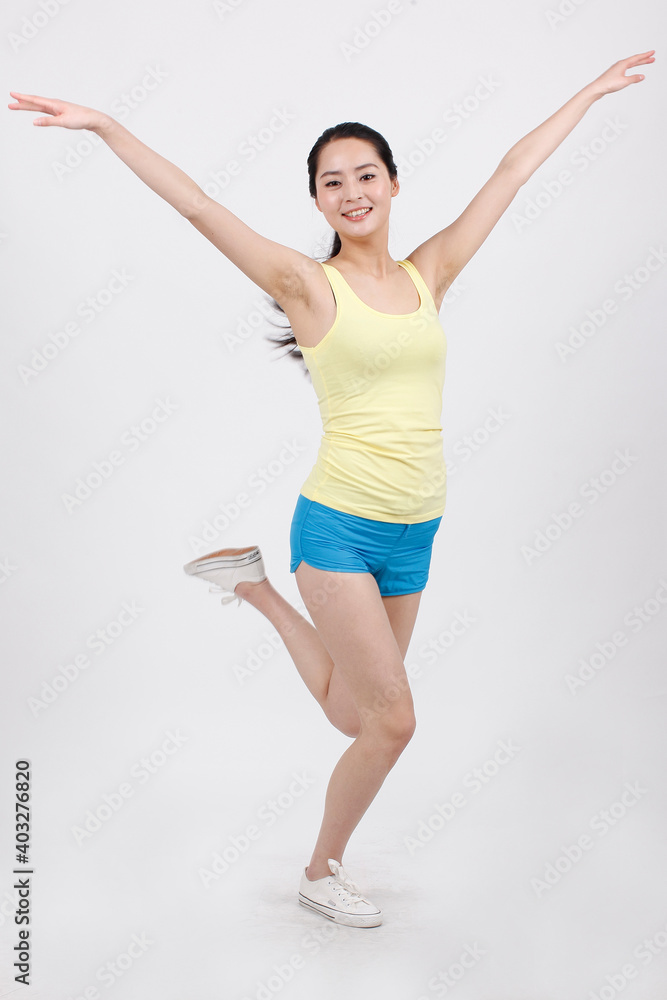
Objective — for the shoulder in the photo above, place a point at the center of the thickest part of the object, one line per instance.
(309, 303)
(424, 268)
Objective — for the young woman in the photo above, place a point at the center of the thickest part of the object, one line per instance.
(363, 527)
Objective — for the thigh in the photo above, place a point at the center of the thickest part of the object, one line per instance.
(402, 614)
(352, 621)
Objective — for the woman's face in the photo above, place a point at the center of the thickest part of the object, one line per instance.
(351, 176)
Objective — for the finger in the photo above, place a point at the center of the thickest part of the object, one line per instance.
(644, 57)
(39, 107)
(25, 97)
(28, 106)
(30, 102)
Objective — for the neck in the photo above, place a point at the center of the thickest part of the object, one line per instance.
(367, 255)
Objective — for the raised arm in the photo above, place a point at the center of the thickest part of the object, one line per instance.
(446, 253)
(272, 266)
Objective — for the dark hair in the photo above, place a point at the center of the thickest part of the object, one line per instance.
(344, 130)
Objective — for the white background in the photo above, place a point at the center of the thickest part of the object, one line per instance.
(495, 878)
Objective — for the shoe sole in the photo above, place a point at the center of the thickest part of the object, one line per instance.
(348, 919)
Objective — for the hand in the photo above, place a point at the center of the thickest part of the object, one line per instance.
(63, 113)
(615, 79)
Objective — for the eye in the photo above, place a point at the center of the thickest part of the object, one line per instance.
(328, 183)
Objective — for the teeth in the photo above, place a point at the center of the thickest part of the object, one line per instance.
(357, 211)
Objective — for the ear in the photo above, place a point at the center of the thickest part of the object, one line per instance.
(395, 187)
(317, 204)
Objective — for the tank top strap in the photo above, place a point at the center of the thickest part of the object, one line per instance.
(424, 291)
(341, 289)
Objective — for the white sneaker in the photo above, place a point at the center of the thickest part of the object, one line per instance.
(337, 897)
(227, 568)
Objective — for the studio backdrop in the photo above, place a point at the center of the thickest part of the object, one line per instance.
(164, 767)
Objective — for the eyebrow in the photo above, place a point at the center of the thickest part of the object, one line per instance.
(340, 171)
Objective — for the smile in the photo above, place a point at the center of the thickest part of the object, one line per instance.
(358, 213)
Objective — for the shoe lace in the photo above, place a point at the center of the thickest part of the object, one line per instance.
(225, 600)
(349, 888)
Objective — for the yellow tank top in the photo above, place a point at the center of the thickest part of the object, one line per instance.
(379, 380)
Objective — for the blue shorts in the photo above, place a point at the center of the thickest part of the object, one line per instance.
(397, 555)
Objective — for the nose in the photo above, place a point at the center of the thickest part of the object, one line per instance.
(353, 192)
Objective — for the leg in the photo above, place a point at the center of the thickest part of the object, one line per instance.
(324, 681)
(354, 626)
(340, 709)
(402, 613)
(310, 655)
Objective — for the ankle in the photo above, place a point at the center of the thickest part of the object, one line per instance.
(317, 870)
(246, 588)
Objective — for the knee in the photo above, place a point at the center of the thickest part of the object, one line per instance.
(393, 728)
(405, 728)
